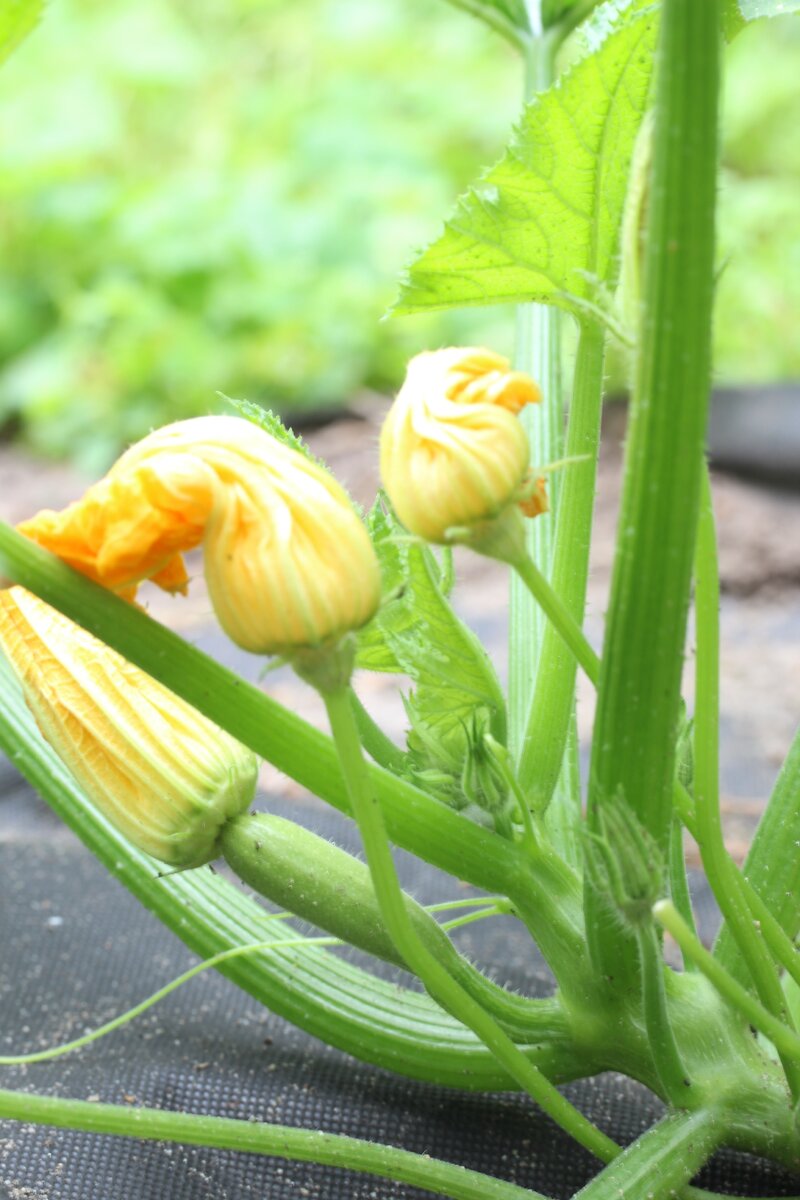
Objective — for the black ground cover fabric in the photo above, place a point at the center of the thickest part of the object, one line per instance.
(77, 950)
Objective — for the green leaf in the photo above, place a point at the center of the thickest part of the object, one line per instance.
(737, 13)
(751, 10)
(271, 423)
(267, 420)
(549, 212)
(401, 576)
(17, 19)
(416, 633)
(732, 20)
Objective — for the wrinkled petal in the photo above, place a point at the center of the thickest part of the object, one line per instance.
(163, 774)
(287, 560)
(452, 450)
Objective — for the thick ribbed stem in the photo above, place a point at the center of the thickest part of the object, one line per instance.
(639, 693)
(657, 1164)
(279, 1141)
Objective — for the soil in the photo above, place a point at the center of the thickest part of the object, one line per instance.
(760, 571)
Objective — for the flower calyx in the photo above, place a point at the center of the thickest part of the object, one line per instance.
(624, 863)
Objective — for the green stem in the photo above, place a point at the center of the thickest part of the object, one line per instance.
(415, 953)
(554, 695)
(719, 870)
(638, 706)
(672, 1074)
(779, 943)
(678, 883)
(479, 915)
(562, 620)
(772, 869)
(781, 946)
(279, 1141)
(657, 1164)
(784, 1039)
(495, 19)
(538, 352)
(377, 745)
(469, 902)
(375, 1021)
(323, 884)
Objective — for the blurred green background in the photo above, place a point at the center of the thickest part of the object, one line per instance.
(219, 195)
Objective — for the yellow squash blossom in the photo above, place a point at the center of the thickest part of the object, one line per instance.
(287, 560)
(162, 773)
(453, 453)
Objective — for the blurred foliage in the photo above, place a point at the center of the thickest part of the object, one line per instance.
(758, 307)
(220, 196)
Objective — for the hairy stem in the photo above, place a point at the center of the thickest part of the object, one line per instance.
(538, 352)
(639, 693)
(566, 628)
(719, 870)
(785, 1040)
(554, 696)
(323, 884)
(780, 945)
(415, 953)
(772, 869)
(656, 1165)
(678, 883)
(671, 1072)
(279, 1141)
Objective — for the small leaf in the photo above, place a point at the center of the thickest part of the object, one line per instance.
(549, 212)
(416, 633)
(18, 18)
(267, 420)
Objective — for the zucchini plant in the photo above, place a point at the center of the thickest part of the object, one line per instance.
(601, 212)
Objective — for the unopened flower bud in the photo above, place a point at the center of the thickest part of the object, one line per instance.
(162, 773)
(623, 862)
(287, 560)
(453, 453)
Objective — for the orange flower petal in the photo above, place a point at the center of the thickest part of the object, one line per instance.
(537, 503)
